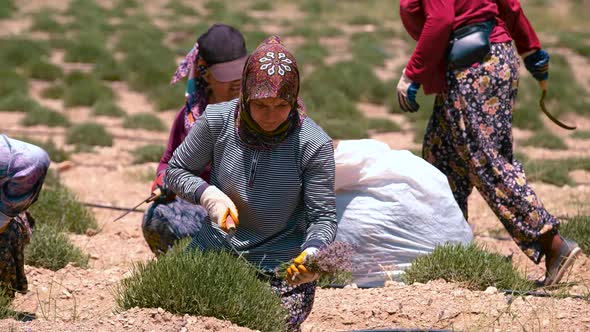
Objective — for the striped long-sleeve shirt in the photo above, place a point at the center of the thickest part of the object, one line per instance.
(285, 196)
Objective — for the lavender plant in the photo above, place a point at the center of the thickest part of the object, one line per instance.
(332, 262)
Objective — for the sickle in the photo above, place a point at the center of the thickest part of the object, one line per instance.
(157, 193)
(543, 85)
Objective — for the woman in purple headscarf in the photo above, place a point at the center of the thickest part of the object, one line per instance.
(214, 69)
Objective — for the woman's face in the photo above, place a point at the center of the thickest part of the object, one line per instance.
(222, 91)
(269, 113)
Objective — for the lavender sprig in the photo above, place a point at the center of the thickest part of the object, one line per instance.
(330, 260)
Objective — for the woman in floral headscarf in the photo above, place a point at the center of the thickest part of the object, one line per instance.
(214, 69)
(272, 172)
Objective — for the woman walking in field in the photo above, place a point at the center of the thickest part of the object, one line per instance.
(469, 136)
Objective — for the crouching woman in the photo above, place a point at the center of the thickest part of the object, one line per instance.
(272, 171)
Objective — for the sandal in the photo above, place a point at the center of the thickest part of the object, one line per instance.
(568, 252)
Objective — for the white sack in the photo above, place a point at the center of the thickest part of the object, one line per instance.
(393, 206)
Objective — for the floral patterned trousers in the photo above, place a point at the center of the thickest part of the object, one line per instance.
(166, 223)
(297, 300)
(469, 139)
(12, 260)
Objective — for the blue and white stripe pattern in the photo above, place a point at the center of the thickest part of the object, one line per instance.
(285, 196)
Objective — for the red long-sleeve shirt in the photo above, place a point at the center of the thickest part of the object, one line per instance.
(431, 22)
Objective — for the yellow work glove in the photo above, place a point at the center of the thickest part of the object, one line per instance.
(297, 273)
(4, 222)
(219, 206)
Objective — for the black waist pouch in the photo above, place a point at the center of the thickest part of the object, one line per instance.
(469, 44)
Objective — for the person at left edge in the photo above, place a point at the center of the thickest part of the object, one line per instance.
(23, 168)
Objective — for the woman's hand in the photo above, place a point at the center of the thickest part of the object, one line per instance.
(166, 195)
(537, 63)
(297, 273)
(219, 207)
(406, 93)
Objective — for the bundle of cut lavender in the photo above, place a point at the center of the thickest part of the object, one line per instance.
(333, 263)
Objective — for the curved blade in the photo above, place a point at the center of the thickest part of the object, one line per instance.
(543, 85)
(550, 116)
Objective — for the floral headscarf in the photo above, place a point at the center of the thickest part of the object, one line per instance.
(196, 94)
(270, 72)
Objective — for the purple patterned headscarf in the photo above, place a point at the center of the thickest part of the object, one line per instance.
(196, 94)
